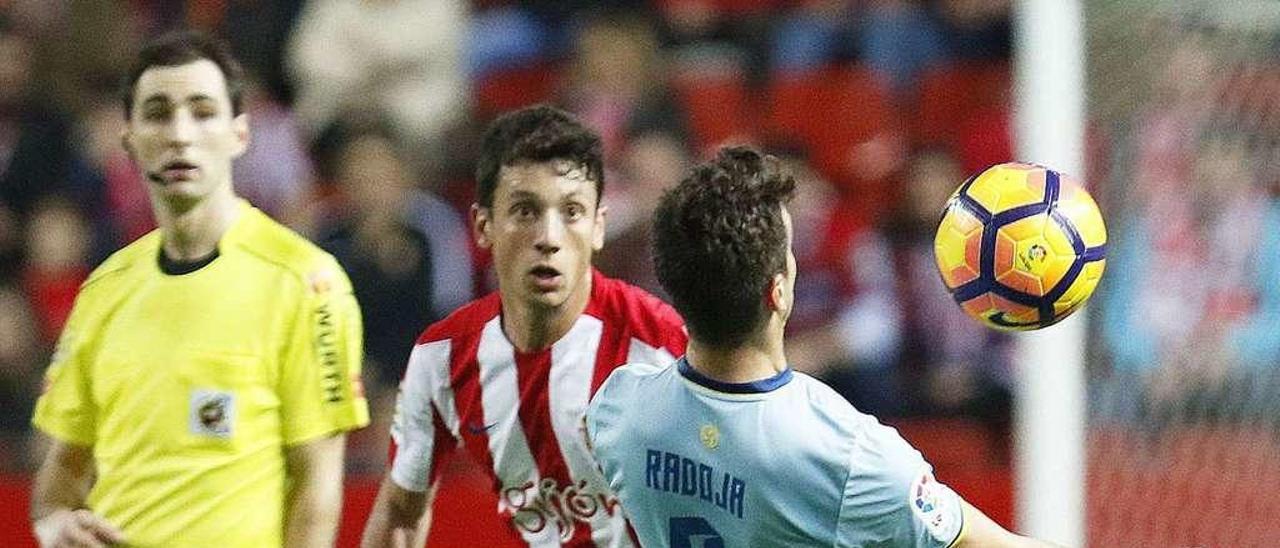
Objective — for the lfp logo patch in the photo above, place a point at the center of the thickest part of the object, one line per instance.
(936, 506)
(212, 413)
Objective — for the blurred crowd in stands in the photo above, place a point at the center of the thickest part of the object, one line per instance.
(365, 116)
(1189, 321)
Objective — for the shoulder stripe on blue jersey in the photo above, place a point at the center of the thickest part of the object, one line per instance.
(754, 387)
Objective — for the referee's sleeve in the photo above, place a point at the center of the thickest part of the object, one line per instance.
(66, 409)
(320, 389)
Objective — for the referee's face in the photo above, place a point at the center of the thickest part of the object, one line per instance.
(182, 132)
(543, 228)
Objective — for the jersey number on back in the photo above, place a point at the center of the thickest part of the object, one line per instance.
(693, 532)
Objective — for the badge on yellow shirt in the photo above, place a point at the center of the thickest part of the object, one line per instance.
(213, 413)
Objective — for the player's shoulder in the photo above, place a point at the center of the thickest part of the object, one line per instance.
(826, 405)
(635, 372)
(616, 300)
(821, 395)
(630, 379)
(126, 259)
(617, 394)
(280, 247)
(267, 238)
(875, 448)
(468, 320)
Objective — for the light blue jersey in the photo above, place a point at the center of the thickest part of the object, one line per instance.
(780, 462)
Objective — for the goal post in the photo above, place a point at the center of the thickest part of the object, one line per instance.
(1049, 410)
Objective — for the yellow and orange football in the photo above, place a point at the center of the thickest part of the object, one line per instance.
(1020, 246)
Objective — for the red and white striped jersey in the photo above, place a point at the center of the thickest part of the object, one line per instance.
(520, 414)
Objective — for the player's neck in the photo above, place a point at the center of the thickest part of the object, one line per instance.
(191, 232)
(531, 328)
(754, 360)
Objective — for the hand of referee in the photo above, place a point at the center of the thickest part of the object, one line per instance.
(76, 529)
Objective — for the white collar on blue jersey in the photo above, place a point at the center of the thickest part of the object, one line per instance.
(754, 387)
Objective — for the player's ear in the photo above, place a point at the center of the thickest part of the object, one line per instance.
(126, 144)
(240, 126)
(776, 295)
(481, 224)
(597, 240)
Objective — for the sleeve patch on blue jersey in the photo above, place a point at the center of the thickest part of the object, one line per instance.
(936, 506)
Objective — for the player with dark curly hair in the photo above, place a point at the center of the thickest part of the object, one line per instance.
(743, 243)
(730, 446)
(507, 377)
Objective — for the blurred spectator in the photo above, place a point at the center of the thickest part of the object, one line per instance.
(36, 17)
(1191, 308)
(275, 172)
(58, 244)
(847, 326)
(504, 37)
(401, 59)
(899, 39)
(619, 84)
(736, 29)
(35, 149)
(20, 367)
(1165, 245)
(811, 35)
(405, 250)
(1187, 87)
(126, 207)
(652, 162)
(560, 17)
(11, 245)
(257, 31)
(819, 231)
(978, 29)
(407, 254)
(962, 367)
(85, 49)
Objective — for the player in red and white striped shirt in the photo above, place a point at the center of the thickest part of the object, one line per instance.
(507, 377)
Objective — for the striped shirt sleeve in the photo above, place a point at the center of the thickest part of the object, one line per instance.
(414, 428)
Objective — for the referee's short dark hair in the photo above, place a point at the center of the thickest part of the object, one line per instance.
(180, 47)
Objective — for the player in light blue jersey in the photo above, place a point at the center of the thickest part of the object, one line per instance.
(729, 447)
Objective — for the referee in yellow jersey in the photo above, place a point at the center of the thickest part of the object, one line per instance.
(201, 390)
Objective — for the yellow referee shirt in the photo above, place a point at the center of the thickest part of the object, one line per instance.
(189, 387)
